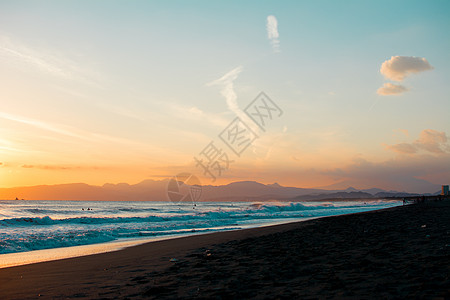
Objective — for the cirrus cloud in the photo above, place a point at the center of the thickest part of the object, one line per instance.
(60, 167)
(391, 89)
(398, 67)
(227, 88)
(272, 33)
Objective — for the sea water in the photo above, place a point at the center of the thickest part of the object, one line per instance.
(36, 225)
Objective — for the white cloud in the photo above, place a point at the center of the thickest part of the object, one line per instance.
(391, 89)
(399, 67)
(272, 33)
(226, 82)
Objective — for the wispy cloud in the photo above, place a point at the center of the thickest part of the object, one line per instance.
(227, 89)
(48, 62)
(391, 89)
(226, 83)
(65, 130)
(59, 167)
(403, 173)
(272, 33)
(433, 141)
(8, 146)
(80, 138)
(404, 148)
(429, 140)
(60, 129)
(20, 53)
(398, 68)
(10, 149)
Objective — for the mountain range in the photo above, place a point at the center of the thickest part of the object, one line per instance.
(154, 190)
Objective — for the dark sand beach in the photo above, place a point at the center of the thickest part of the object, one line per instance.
(402, 252)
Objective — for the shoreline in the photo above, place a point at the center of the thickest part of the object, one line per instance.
(44, 255)
(16, 259)
(385, 252)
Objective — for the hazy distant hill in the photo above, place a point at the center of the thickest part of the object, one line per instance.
(152, 190)
(337, 195)
(413, 185)
(248, 190)
(148, 190)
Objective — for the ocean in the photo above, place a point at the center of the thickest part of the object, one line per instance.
(36, 225)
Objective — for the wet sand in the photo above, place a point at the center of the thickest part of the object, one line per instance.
(401, 252)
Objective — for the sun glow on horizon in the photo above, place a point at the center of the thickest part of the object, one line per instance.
(132, 93)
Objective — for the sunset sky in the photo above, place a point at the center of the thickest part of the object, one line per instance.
(123, 91)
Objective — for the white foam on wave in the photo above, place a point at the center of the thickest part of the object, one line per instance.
(31, 229)
(36, 256)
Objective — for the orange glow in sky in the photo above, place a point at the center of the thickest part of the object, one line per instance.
(137, 92)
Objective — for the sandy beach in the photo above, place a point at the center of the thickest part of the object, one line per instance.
(400, 252)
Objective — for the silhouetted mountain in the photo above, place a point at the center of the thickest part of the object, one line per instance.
(248, 190)
(351, 189)
(338, 195)
(153, 190)
(147, 190)
(374, 191)
(411, 184)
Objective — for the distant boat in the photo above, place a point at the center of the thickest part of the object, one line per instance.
(17, 198)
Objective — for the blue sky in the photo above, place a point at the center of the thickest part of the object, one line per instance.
(115, 91)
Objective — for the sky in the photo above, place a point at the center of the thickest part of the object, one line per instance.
(356, 93)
